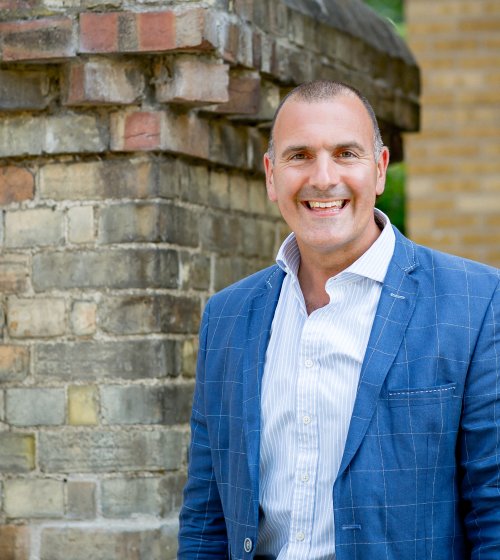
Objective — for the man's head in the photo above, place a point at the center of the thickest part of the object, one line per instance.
(325, 168)
(323, 90)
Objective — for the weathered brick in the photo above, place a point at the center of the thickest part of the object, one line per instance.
(219, 189)
(35, 407)
(44, 39)
(238, 193)
(195, 271)
(102, 544)
(34, 498)
(220, 233)
(16, 183)
(127, 32)
(103, 82)
(83, 318)
(29, 318)
(124, 497)
(129, 222)
(133, 268)
(188, 182)
(244, 95)
(17, 138)
(183, 133)
(98, 180)
(74, 133)
(28, 90)
(149, 314)
(14, 363)
(191, 80)
(171, 486)
(14, 542)
(34, 227)
(110, 451)
(229, 145)
(81, 499)
(89, 360)
(82, 405)
(146, 405)
(14, 270)
(81, 224)
(17, 452)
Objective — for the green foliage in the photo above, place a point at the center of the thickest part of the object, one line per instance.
(392, 201)
(392, 9)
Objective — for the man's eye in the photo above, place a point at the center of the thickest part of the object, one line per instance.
(346, 154)
(298, 156)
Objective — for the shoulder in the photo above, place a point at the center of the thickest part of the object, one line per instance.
(235, 296)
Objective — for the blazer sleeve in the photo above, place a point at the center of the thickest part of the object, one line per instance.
(202, 528)
(479, 445)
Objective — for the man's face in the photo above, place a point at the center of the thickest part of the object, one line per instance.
(325, 178)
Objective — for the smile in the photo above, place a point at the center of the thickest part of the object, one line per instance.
(337, 204)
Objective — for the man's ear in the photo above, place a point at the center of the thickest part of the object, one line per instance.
(268, 166)
(383, 162)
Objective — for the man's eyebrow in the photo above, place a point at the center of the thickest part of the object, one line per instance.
(349, 145)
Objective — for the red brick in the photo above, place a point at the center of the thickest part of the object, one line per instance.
(156, 31)
(14, 542)
(141, 131)
(38, 40)
(16, 184)
(103, 82)
(99, 32)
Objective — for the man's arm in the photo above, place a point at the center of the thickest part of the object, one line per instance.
(202, 532)
(480, 440)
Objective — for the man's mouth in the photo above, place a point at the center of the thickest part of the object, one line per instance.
(335, 204)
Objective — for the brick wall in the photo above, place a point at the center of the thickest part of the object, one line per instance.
(454, 162)
(131, 188)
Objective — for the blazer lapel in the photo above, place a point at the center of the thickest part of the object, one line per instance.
(395, 308)
(261, 308)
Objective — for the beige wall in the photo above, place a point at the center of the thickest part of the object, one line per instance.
(453, 184)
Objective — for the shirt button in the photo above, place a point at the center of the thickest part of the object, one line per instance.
(305, 477)
(309, 363)
(247, 545)
(300, 536)
(306, 419)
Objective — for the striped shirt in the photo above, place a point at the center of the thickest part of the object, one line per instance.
(308, 391)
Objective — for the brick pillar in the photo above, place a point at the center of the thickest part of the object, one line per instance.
(131, 189)
(454, 162)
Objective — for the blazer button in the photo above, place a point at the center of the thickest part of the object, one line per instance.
(247, 545)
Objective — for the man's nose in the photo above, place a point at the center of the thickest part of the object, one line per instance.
(324, 172)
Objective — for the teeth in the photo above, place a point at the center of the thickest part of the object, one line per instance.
(331, 204)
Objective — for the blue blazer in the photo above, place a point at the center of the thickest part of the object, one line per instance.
(420, 474)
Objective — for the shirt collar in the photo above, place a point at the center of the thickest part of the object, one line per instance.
(372, 264)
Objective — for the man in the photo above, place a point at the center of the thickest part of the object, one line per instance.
(347, 403)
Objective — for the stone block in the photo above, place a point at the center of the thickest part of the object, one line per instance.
(166, 405)
(195, 271)
(244, 94)
(171, 487)
(219, 189)
(17, 452)
(34, 498)
(97, 180)
(44, 39)
(189, 353)
(14, 363)
(80, 499)
(16, 183)
(14, 271)
(125, 223)
(229, 145)
(27, 90)
(125, 497)
(34, 227)
(103, 544)
(83, 405)
(179, 225)
(191, 80)
(221, 234)
(35, 407)
(81, 224)
(132, 268)
(14, 542)
(103, 82)
(102, 451)
(17, 138)
(150, 314)
(238, 193)
(33, 318)
(96, 360)
(83, 318)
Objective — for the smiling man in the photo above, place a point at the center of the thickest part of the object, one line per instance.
(347, 402)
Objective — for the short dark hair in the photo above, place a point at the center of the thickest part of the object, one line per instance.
(323, 90)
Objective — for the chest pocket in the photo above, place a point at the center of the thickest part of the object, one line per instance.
(422, 396)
